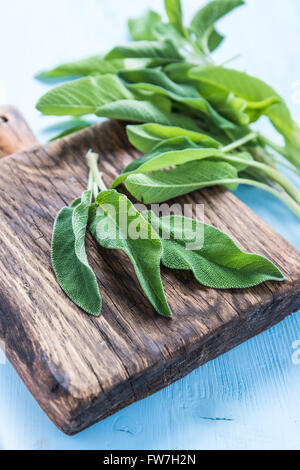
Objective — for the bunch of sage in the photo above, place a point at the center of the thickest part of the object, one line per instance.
(110, 216)
(194, 114)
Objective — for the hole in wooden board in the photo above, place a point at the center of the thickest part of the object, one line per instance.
(3, 119)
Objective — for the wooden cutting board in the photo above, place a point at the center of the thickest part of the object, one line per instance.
(82, 369)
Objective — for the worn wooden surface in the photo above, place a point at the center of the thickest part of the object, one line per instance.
(81, 369)
(15, 134)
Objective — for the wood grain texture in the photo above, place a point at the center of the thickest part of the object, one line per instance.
(15, 134)
(81, 369)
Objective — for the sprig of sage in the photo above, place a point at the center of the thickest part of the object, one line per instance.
(167, 80)
(116, 224)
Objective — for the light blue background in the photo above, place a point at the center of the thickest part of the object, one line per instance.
(246, 399)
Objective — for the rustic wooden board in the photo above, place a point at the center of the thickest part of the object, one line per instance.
(82, 369)
(15, 134)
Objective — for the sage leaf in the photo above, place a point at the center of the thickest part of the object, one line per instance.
(174, 12)
(154, 77)
(83, 96)
(232, 91)
(219, 263)
(179, 72)
(146, 136)
(143, 28)
(155, 81)
(144, 111)
(95, 65)
(164, 49)
(116, 224)
(161, 186)
(203, 22)
(178, 151)
(69, 258)
(214, 40)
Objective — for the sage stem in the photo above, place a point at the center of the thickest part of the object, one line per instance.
(281, 150)
(240, 142)
(283, 196)
(97, 176)
(273, 174)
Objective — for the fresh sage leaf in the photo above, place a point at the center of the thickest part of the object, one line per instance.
(161, 186)
(219, 263)
(83, 96)
(155, 81)
(214, 40)
(165, 50)
(174, 12)
(156, 78)
(116, 224)
(233, 92)
(179, 72)
(144, 111)
(203, 22)
(146, 136)
(179, 151)
(69, 258)
(95, 65)
(143, 28)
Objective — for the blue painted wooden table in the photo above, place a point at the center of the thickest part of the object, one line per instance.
(246, 399)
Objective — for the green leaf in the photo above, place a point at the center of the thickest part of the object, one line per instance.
(179, 71)
(91, 66)
(83, 96)
(203, 22)
(167, 31)
(116, 224)
(219, 263)
(159, 79)
(69, 258)
(214, 40)
(164, 49)
(162, 186)
(145, 111)
(143, 28)
(157, 82)
(179, 151)
(146, 136)
(175, 151)
(174, 12)
(232, 93)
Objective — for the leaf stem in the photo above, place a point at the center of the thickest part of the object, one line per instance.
(231, 59)
(273, 174)
(96, 175)
(95, 190)
(281, 150)
(91, 181)
(283, 196)
(240, 142)
(288, 166)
